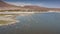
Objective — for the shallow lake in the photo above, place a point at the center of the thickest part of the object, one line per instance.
(38, 23)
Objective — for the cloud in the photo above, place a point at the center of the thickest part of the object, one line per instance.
(50, 5)
(23, 4)
(19, 3)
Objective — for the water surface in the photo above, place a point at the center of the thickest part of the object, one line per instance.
(38, 23)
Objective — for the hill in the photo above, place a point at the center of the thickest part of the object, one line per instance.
(6, 6)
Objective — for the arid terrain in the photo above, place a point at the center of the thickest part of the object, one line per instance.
(6, 6)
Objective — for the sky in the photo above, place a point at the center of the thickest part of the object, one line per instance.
(43, 3)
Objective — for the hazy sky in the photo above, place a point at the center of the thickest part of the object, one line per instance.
(45, 3)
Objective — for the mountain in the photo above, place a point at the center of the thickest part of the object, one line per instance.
(6, 6)
(36, 8)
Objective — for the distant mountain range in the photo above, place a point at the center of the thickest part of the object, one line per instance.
(6, 6)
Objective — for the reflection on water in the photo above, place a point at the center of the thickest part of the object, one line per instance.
(39, 23)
